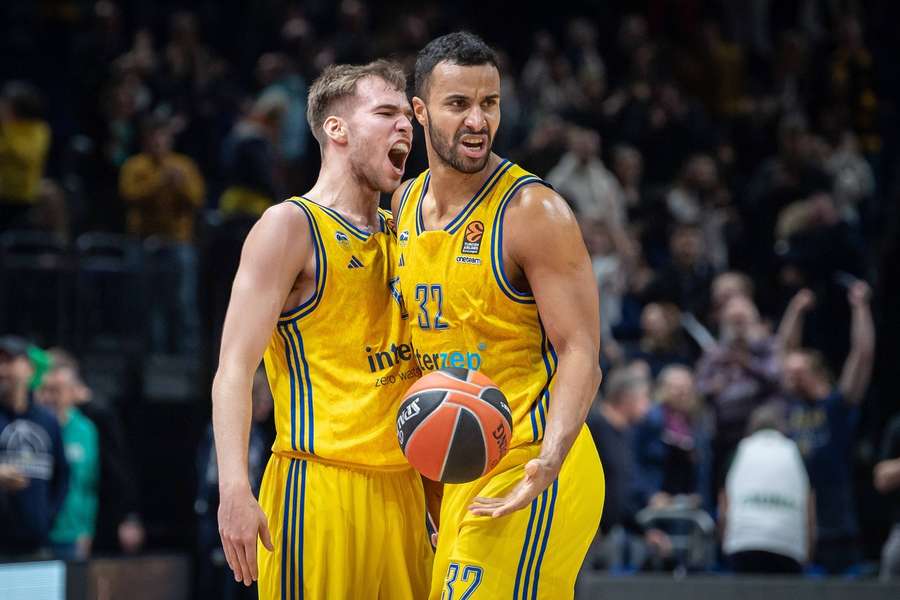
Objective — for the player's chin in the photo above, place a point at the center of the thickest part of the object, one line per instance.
(389, 179)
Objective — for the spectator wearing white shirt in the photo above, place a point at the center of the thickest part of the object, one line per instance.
(767, 509)
(585, 182)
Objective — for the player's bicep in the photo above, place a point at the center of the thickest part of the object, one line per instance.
(548, 248)
(274, 253)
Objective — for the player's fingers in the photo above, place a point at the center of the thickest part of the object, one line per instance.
(250, 550)
(434, 539)
(265, 536)
(483, 501)
(231, 559)
(241, 555)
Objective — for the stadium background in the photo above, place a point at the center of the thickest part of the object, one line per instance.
(670, 81)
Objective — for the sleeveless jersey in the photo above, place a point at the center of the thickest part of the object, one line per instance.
(337, 363)
(464, 312)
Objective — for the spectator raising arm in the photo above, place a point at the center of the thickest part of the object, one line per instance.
(790, 330)
(857, 371)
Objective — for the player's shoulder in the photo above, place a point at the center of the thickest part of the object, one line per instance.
(286, 221)
(538, 201)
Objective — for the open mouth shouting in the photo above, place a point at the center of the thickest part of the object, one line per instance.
(397, 156)
(474, 145)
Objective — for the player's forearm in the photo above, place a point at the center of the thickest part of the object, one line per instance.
(577, 380)
(231, 427)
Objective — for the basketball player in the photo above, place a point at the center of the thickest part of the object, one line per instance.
(342, 512)
(497, 278)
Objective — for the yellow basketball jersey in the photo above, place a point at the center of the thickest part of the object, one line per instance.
(464, 312)
(338, 363)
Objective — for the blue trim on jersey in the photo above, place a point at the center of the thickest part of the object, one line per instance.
(541, 405)
(308, 395)
(480, 195)
(534, 544)
(420, 222)
(301, 392)
(534, 428)
(293, 382)
(284, 540)
(528, 531)
(303, 464)
(361, 234)
(312, 302)
(537, 569)
(403, 197)
(497, 243)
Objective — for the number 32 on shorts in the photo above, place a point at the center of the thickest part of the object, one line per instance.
(463, 580)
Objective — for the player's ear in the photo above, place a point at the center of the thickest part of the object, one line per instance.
(336, 129)
(420, 111)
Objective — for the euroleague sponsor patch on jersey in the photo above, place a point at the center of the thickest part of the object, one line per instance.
(472, 238)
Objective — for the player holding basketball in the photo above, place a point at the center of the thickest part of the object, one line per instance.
(342, 511)
(495, 273)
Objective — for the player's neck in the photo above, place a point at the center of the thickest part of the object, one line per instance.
(354, 201)
(451, 189)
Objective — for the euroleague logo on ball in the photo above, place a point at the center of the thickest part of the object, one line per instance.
(472, 238)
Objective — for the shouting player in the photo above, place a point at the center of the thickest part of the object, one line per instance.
(493, 267)
(342, 512)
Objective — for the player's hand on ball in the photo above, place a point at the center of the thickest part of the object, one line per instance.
(241, 520)
(539, 474)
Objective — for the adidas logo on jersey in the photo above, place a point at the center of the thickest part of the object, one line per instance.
(354, 263)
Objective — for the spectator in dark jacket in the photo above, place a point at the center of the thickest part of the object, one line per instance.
(822, 419)
(672, 442)
(34, 474)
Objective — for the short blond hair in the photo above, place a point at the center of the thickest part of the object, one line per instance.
(338, 82)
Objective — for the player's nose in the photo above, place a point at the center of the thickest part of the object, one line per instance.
(475, 120)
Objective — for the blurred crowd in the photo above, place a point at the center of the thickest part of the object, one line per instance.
(732, 165)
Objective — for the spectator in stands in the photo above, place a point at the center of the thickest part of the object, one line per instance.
(780, 180)
(24, 144)
(739, 374)
(215, 578)
(34, 474)
(887, 481)
(767, 510)
(73, 530)
(726, 286)
(699, 197)
(119, 524)
(672, 443)
(685, 280)
(628, 166)
(623, 404)
(584, 181)
(662, 342)
(164, 191)
(250, 156)
(822, 419)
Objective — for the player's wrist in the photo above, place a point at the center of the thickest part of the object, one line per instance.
(234, 487)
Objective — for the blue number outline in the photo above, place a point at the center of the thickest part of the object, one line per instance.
(422, 299)
(467, 573)
(478, 572)
(437, 290)
(452, 574)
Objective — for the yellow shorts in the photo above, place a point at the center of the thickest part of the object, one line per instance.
(342, 533)
(534, 553)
